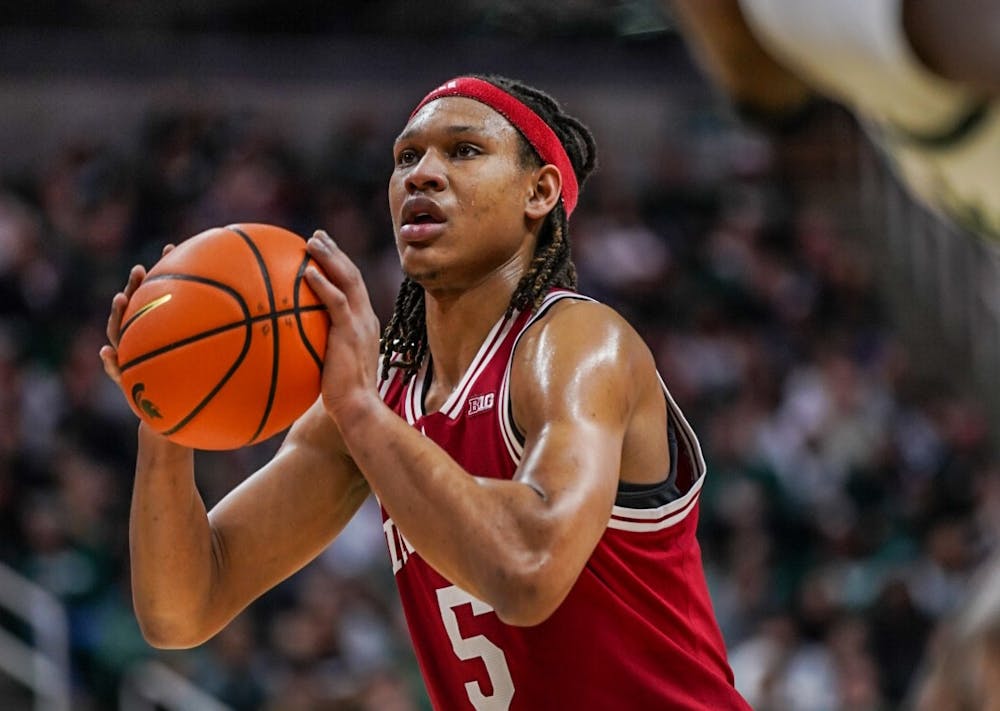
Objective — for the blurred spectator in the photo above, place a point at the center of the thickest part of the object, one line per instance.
(234, 669)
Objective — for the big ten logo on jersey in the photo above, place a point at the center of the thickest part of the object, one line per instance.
(399, 548)
(481, 403)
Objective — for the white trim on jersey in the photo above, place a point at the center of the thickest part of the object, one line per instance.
(624, 518)
(686, 431)
(514, 447)
(383, 386)
(413, 401)
(659, 512)
(455, 403)
(620, 524)
(412, 396)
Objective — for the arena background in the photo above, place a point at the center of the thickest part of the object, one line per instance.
(835, 346)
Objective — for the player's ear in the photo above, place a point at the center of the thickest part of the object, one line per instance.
(544, 192)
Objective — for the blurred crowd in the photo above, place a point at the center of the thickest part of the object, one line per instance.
(848, 501)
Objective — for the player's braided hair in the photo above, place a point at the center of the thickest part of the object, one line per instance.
(404, 340)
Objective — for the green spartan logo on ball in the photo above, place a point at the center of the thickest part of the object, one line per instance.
(144, 404)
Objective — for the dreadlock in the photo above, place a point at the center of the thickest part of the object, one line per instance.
(404, 340)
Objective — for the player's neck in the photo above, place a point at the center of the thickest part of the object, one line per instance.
(458, 323)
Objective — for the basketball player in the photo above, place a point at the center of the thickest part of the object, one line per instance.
(923, 76)
(539, 486)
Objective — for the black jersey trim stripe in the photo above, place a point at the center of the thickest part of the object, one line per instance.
(646, 496)
(660, 512)
(646, 520)
(651, 496)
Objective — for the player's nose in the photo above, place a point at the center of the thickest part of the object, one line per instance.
(430, 173)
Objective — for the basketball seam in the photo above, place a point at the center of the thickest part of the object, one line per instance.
(251, 321)
(248, 323)
(232, 369)
(300, 275)
(185, 277)
(276, 349)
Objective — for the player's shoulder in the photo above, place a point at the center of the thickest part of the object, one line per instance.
(576, 328)
(570, 314)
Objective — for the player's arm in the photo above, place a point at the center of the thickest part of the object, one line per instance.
(957, 39)
(737, 63)
(517, 545)
(193, 571)
(577, 381)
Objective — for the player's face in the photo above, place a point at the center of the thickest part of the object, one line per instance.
(458, 195)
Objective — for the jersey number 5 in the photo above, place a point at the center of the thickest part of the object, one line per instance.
(471, 647)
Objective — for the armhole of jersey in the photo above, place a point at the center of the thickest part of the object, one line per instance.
(687, 464)
(649, 496)
(514, 429)
(691, 466)
(650, 516)
(512, 435)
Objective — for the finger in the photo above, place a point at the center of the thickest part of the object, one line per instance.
(135, 278)
(167, 249)
(109, 359)
(118, 305)
(339, 268)
(332, 297)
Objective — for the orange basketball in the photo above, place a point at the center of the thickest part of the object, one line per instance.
(222, 344)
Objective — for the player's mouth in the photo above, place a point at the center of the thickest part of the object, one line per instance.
(421, 219)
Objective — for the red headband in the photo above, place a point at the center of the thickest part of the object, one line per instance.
(538, 133)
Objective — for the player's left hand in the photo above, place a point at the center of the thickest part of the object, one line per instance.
(349, 369)
(109, 352)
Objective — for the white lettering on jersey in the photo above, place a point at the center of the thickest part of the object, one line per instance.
(399, 547)
(481, 403)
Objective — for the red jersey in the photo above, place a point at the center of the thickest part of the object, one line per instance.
(637, 629)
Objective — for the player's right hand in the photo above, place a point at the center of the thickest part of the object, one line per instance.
(109, 352)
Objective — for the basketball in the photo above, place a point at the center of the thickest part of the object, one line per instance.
(222, 344)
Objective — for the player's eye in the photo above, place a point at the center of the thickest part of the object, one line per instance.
(466, 150)
(406, 156)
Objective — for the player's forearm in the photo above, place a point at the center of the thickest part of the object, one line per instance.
(484, 535)
(170, 544)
